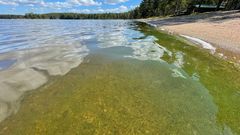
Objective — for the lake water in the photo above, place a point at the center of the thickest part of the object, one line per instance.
(111, 77)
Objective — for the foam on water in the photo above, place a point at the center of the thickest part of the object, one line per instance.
(204, 44)
(179, 62)
(178, 73)
(143, 49)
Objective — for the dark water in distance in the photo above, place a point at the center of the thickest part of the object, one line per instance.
(112, 77)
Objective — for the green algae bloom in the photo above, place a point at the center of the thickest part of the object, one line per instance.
(172, 88)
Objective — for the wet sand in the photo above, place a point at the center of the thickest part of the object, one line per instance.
(221, 29)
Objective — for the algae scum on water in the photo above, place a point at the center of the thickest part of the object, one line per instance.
(134, 80)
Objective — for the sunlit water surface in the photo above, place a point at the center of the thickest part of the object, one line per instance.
(111, 77)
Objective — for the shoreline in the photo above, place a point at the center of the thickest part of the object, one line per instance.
(127, 72)
(219, 36)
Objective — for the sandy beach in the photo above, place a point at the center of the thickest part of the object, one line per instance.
(221, 29)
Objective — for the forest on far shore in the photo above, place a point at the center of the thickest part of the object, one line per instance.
(147, 8)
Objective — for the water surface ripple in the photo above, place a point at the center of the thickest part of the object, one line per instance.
(111, 77)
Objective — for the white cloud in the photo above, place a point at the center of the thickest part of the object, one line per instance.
(21, 2)
(55, 5)
(100, 10)
(84, 2)
(134, 6)
(69, 5)
(3, 2)
(115, 10)
(113, 2)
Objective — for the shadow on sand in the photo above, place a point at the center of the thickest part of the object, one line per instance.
(215, 17)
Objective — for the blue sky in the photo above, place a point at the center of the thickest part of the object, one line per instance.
(78, 6)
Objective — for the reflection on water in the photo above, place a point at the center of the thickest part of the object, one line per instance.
(221, 78)
(5, 64)
(129, 79)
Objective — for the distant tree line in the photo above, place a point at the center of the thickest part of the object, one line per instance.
(11, 17)
(147, 8)
(78, 16)
(125, 15)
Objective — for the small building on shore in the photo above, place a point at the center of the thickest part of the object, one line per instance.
(206, 8)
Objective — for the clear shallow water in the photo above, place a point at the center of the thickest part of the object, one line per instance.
(112, 77)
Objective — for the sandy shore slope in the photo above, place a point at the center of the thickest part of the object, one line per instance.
(221, 29)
